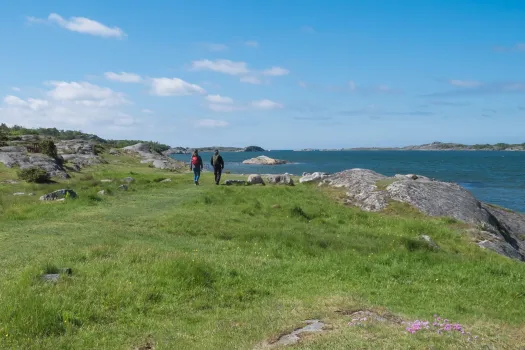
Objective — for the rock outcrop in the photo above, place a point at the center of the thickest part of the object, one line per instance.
(156, 160)
(18, 157)
(503, 230)
(312, 177)
(253, 149)
(264, 160)
(79, 153)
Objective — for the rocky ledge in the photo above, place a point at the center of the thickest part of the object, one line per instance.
(494, 228)
(157, 160)
(16, 156)
(264, 160)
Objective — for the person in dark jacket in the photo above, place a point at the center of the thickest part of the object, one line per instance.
(218, 165)
(196, 165)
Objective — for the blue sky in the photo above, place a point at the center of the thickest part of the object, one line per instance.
(280, 74)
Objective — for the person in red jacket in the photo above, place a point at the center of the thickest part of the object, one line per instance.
(196, 165)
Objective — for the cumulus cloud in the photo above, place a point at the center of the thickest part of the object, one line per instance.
(85, 93)
(465, 83)
(82, 25)
(266, 104)
(219, 99)
(174, 87)
(251, 43)
(211, 123)
(123, 77)
(276, 71)
(221, 66)
(250, 79)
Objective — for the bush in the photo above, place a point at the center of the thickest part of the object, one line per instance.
(49, 148)
(33, 175)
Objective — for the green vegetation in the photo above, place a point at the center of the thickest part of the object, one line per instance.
(210, 267)
(49, 148)
(33, 174)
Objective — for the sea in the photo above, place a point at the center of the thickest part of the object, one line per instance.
(496, 177)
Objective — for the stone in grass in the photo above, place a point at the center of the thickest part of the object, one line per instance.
(54, 277)
(313, 326)
(128, 179)
(255, 179)
(106, 180)
(235, 182)
(102, 193)
(18, 193)
(59, 195)
(430, 242)
(166, 180)
(123, 187)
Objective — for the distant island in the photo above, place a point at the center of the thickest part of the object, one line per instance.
(434, 146)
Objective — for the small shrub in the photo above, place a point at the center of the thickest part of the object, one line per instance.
(49, 148)
(34, 174)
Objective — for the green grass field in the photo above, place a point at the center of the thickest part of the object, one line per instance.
(175, 266)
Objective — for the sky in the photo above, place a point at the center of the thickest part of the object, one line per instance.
(278, 74)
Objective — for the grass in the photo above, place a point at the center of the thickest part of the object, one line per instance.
(383, 184)
(174, 265)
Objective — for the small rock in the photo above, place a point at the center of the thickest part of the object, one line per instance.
(166, 180)
(429, 241)
(58, 195)
(123, 187)
(106, 180)
(31, 194)
(412, 176)
(51, 277)
(128, 179)
(18, 193)
(101, 193)
(235, 182)
(280, 180)
(294, 337)
(255, 179)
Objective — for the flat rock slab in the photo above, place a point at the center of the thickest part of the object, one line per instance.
(312, 326)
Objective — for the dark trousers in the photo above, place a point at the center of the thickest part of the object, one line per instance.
(217, 171)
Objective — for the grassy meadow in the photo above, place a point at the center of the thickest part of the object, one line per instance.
(170, 265)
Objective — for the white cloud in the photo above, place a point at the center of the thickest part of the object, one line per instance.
(221, 66)
(82, 25)
(266, 104)
(276, 71)
(123, 77)
(86, 94)
(250, 79)
(17, 89)
(219, 99)
(147, 111)
(224, 108)
(215, 47)
(465, 83)
(251, 43)
(11, 100)
(211, 123)
(174, 87)
(66, 114)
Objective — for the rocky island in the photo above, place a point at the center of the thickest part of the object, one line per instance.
(434, 146)
(264, 160)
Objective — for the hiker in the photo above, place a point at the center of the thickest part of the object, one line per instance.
(197, 165)
(218, 165)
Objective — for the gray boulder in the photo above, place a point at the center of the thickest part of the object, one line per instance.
(58, 195)
(284, 179)
(317, 176)
(255, 179)
(503, 230)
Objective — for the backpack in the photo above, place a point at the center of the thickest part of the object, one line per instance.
(195, 160)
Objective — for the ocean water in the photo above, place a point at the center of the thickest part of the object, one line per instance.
(493, 177)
